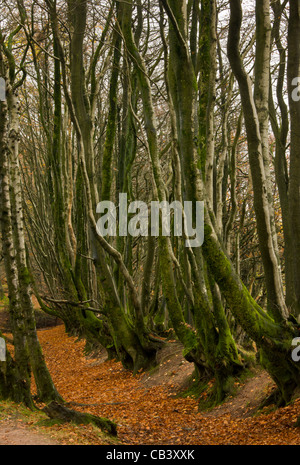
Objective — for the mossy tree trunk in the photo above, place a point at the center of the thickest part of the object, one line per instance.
(293, 67)
(21, 356)
(12, 384)
(273, 339)
(218, 346)
(184, 333)
(201, 344)
(255, 121)
(131, 338)
(18, 278)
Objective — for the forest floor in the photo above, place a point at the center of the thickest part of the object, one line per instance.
(146, 407)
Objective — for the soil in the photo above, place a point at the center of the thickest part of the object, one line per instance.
(176, 372)
(173, 370)
(13, 433)
(248, 399)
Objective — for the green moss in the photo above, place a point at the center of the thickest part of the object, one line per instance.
(196, 387)
(48, 422)
(4, 301)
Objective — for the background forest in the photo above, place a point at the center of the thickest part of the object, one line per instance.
(168, 100)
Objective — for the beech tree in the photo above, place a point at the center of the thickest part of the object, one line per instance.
(28, 353)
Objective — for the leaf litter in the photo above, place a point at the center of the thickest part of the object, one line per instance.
(150, 413)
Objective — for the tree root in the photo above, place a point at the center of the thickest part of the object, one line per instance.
(56, 410)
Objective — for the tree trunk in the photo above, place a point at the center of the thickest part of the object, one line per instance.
(276, 303)
(293, 69)
(22, 364)
(273, 339)
(62, 413)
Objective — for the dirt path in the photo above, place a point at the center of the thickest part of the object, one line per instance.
(248, 398)
(14, 433)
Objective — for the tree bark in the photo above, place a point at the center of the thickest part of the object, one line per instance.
(293, 70)
(276, 303)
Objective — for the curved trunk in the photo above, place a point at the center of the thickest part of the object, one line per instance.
(218, 347)
(273, 339)
(276, 303)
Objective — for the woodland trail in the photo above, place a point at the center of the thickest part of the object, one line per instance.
(14, 433)
(146, 408)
